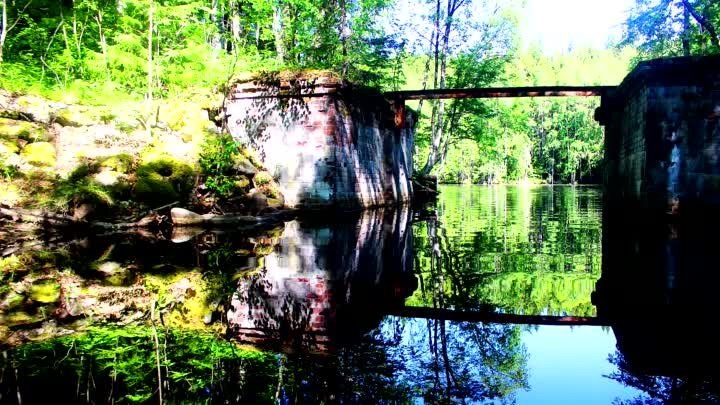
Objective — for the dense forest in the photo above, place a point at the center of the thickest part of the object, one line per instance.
(102, 51)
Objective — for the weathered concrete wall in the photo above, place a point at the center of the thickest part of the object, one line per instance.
(662, 188)
(325, 143)
(662, 138)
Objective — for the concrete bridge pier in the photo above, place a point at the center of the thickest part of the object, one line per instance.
(662, 139)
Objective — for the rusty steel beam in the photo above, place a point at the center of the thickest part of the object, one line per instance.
(494, 317)
(501, 92)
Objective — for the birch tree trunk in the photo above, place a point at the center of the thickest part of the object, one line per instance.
(437, 126)
(151, 16)
(6, 26)
(277, 28)
(3, 29)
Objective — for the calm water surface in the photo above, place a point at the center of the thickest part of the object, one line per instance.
(492, 295)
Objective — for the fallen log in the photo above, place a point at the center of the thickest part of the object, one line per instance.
(183, 217)
(45, 217)
(36, 216)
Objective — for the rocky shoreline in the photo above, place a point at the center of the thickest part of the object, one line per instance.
(115, 168)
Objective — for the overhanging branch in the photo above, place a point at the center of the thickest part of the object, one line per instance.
(703, 23)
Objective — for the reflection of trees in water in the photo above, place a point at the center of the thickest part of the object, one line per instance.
(530, 251)
(119, 365)
(404, 360)
(456, 361)
(447, 362)
(360, 373)
(388, 365)
(661, 390)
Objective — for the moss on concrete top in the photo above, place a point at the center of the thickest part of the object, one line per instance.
(284, 77)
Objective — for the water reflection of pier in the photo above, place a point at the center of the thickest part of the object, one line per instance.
(325, 284)
(659, 290)
(327, 280)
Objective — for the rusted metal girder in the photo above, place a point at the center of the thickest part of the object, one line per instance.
(501, 92)
(494, 317)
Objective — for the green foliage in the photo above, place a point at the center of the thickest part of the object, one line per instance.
(220, 184)
(218, 154)
(8, 171)
(70, 50)
(217, 158)
(13, 130)
(81, 185)
(526, 140)
(192, 363)
(659, 28)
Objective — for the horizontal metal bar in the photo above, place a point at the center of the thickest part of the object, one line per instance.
(501, 92)
(494, 317)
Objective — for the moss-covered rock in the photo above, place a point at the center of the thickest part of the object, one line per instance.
(12, 300)
(241, 184)
(252, 156)
(74, 116)
(115, 274)
(40, 154)
(163, 181)
(108, 177)
(8, 147)
(36, 107)
(122, 163)
(184, 117)
(256, 202)
(19, 318)
(243, 165)
(262, 178)
(153, 188)
(45, 292)
(14, 129)
(271, 190)
(276, 203)
(159, 150)
(74, 194)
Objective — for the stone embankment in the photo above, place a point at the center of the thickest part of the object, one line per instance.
(118, 167)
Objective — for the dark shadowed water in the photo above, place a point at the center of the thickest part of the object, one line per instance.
(528, 295)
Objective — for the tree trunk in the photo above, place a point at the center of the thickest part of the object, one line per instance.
(214, 41)
(425, 75)
(437, 137)
(277, 28)
(3, 29)
(686, 31)
(704, 23)
(67, 48)
(235, 23)
(344, 34)
(103, 43)
(151, 16)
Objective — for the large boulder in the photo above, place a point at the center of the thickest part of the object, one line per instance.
(163, 181)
